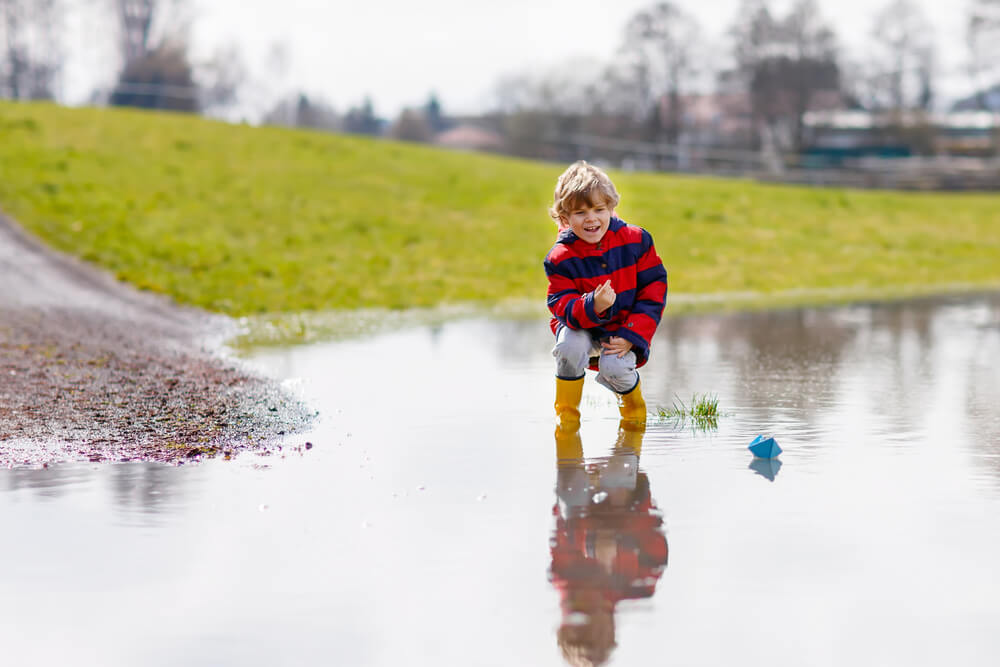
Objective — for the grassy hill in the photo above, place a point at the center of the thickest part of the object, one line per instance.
(249, 220)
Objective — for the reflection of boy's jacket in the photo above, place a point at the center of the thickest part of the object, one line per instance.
(615, 549)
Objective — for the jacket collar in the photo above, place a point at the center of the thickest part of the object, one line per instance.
(567, 236)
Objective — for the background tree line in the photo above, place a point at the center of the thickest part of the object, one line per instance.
(773, 70)
(153, 67)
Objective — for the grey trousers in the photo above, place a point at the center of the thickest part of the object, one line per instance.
(573, 351)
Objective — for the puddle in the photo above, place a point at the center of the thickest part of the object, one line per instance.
(438, 519)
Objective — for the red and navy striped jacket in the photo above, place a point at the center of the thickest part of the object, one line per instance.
(625, 255)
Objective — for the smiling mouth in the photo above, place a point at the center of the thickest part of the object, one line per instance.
(591, 230)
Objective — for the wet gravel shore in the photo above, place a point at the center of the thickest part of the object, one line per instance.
(93, 370)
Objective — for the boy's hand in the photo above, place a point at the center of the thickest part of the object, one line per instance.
(604, 296)
(616, 345)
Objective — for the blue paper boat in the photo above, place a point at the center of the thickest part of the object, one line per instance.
(764, 448)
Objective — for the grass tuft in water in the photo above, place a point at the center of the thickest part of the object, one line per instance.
(702, 412)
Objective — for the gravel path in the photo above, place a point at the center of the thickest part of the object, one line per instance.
(92, 369)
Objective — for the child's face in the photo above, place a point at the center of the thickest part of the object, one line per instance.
(588, 221)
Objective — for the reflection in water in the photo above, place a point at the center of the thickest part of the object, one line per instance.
(766, 467)
(145, 488)
(889, 371)
(48, 482)
(140, 490)
(608, 543)
(889, 419)
(981, 393)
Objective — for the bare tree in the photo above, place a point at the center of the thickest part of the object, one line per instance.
(156, 71)
(362, 119)
(135, 20)
(146, 25)
(30, 57)
(659, 45)
(220, 78)
(904, 60)
(756, 39)
(412, 125)
(784, 64)
(160, 79)
(754, 33)
(983, 41)
(435, 115)
(300, 110)
(812, 67)
(535, 110)
(568, 88)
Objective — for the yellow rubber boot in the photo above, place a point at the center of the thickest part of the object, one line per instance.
(568, 393)
(632, 406)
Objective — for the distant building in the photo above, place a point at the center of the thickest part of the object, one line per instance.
(969, 133)
(835, 136)
(984, 100)
(713, 119)
(470, 137)
(726, 118)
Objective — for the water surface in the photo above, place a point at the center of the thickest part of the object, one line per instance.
(433, 522)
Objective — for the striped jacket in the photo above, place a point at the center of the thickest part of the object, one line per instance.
(625, 255)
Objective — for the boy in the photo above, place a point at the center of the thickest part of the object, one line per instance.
(607, 291)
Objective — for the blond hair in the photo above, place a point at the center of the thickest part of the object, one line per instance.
(582, 183)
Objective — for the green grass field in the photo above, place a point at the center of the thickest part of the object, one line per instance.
(248, 220)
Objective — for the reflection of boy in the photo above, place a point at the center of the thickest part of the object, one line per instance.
(607, 290)
(608, 543)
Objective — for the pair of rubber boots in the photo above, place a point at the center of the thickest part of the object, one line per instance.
(568, 392)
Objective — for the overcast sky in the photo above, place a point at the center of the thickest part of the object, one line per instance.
(397, 52)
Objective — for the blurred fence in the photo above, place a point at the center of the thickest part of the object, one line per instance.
(770, 165)
(910, 173)
(900, 173)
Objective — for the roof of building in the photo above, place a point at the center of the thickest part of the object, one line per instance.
(469, 137)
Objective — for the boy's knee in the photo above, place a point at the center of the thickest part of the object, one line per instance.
(572, 353)
(618, 373)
